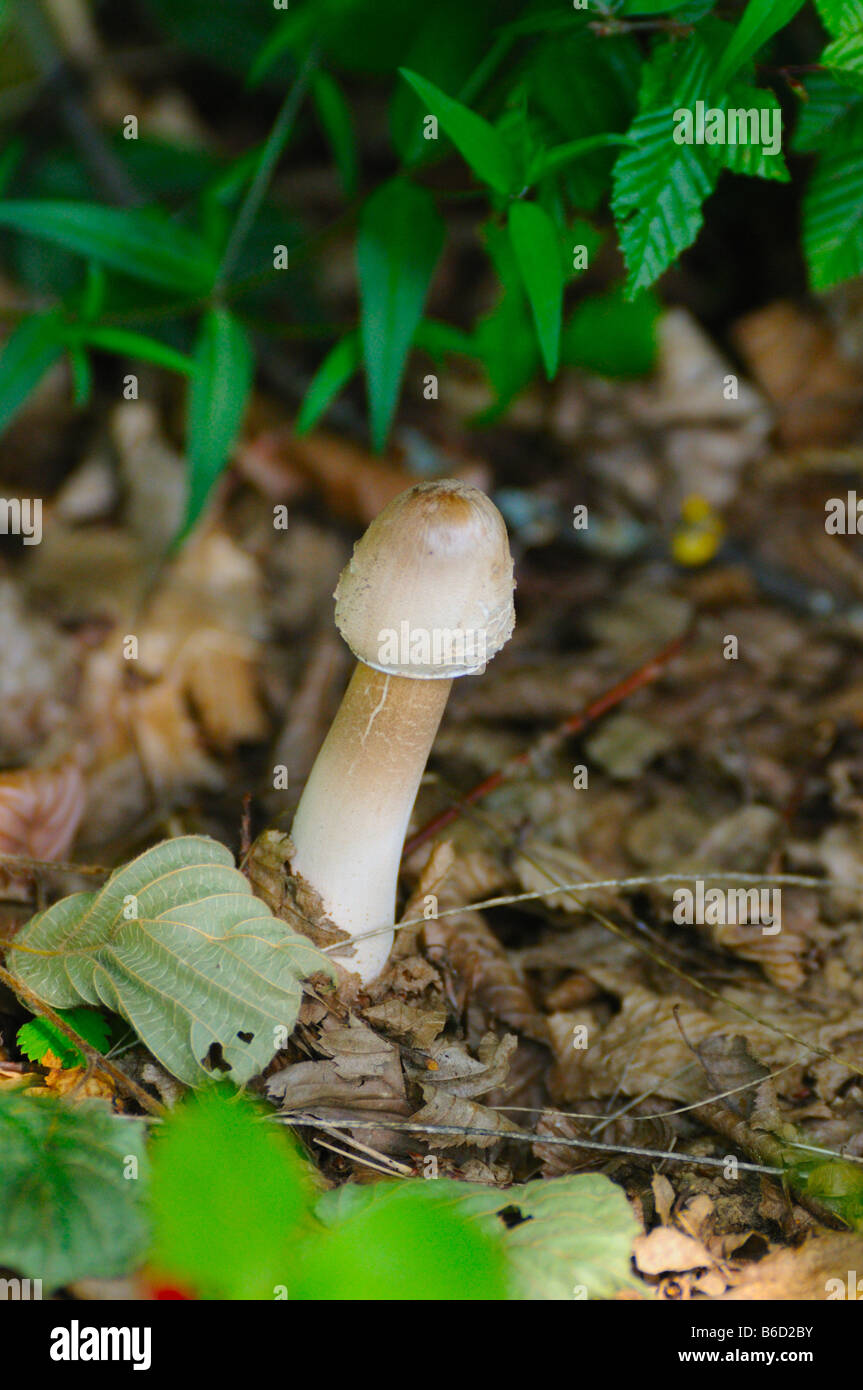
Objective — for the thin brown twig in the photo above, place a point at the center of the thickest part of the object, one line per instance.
(95, 1061)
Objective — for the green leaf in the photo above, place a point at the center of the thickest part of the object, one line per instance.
(479, 144)
(840, 16)
(82, 375)
(129, 344)
(229, 1195)
(438, 338)
(585, 85)
(833, 207)
(220, 389)
(176, 943)
(537, 248)
(556, 158)
(140, 242)
(845, 57)
(70, 1200)
(400, 239)
(611, 335)
(828, 102)
(505, 339)
(40, 1036)
(659, 186)
(659, 189)
(753, 158)
(761, 20)
(413, 1241)
(575, 1232)
(30, 351)
(332, 375)
(335, 117)
(633, 7)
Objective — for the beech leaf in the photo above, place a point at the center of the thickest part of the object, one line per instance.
(69, 1208)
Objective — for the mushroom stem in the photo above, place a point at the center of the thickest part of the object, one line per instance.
(351, 822)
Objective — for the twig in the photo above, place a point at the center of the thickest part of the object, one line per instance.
(22, 861)
(32, 1001)
(636, 680)
(269, 159)
(470, 1131)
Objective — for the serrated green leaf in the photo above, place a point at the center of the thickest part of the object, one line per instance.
(833, 207)
(537, 249)
(127, 343)
(576, 1232)
(177, 944)
(828, 102)
(752, 157)
(479, 144)
(634, 7)
(840, 16)
(659, 189)
(332, 375)
(761, 20)
(658, 184)
(229, 1195)
(585, 85)
(29, 352)
(220, 389)
(70, 1200)
(40, 1036)
(400, 238)
(140, 242)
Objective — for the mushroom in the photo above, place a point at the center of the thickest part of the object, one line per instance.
(425, 598)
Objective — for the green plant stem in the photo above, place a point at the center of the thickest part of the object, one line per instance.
(270, 157)
(107, 169)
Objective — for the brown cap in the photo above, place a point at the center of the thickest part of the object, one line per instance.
(428, 591)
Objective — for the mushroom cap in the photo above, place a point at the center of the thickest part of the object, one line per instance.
(427, 593)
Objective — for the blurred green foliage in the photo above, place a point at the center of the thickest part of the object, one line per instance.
(555, 122)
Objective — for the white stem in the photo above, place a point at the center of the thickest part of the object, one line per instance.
(350, 825)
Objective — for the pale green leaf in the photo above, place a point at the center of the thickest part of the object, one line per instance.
(70, 1201)
(177, 944)
(658, 184)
